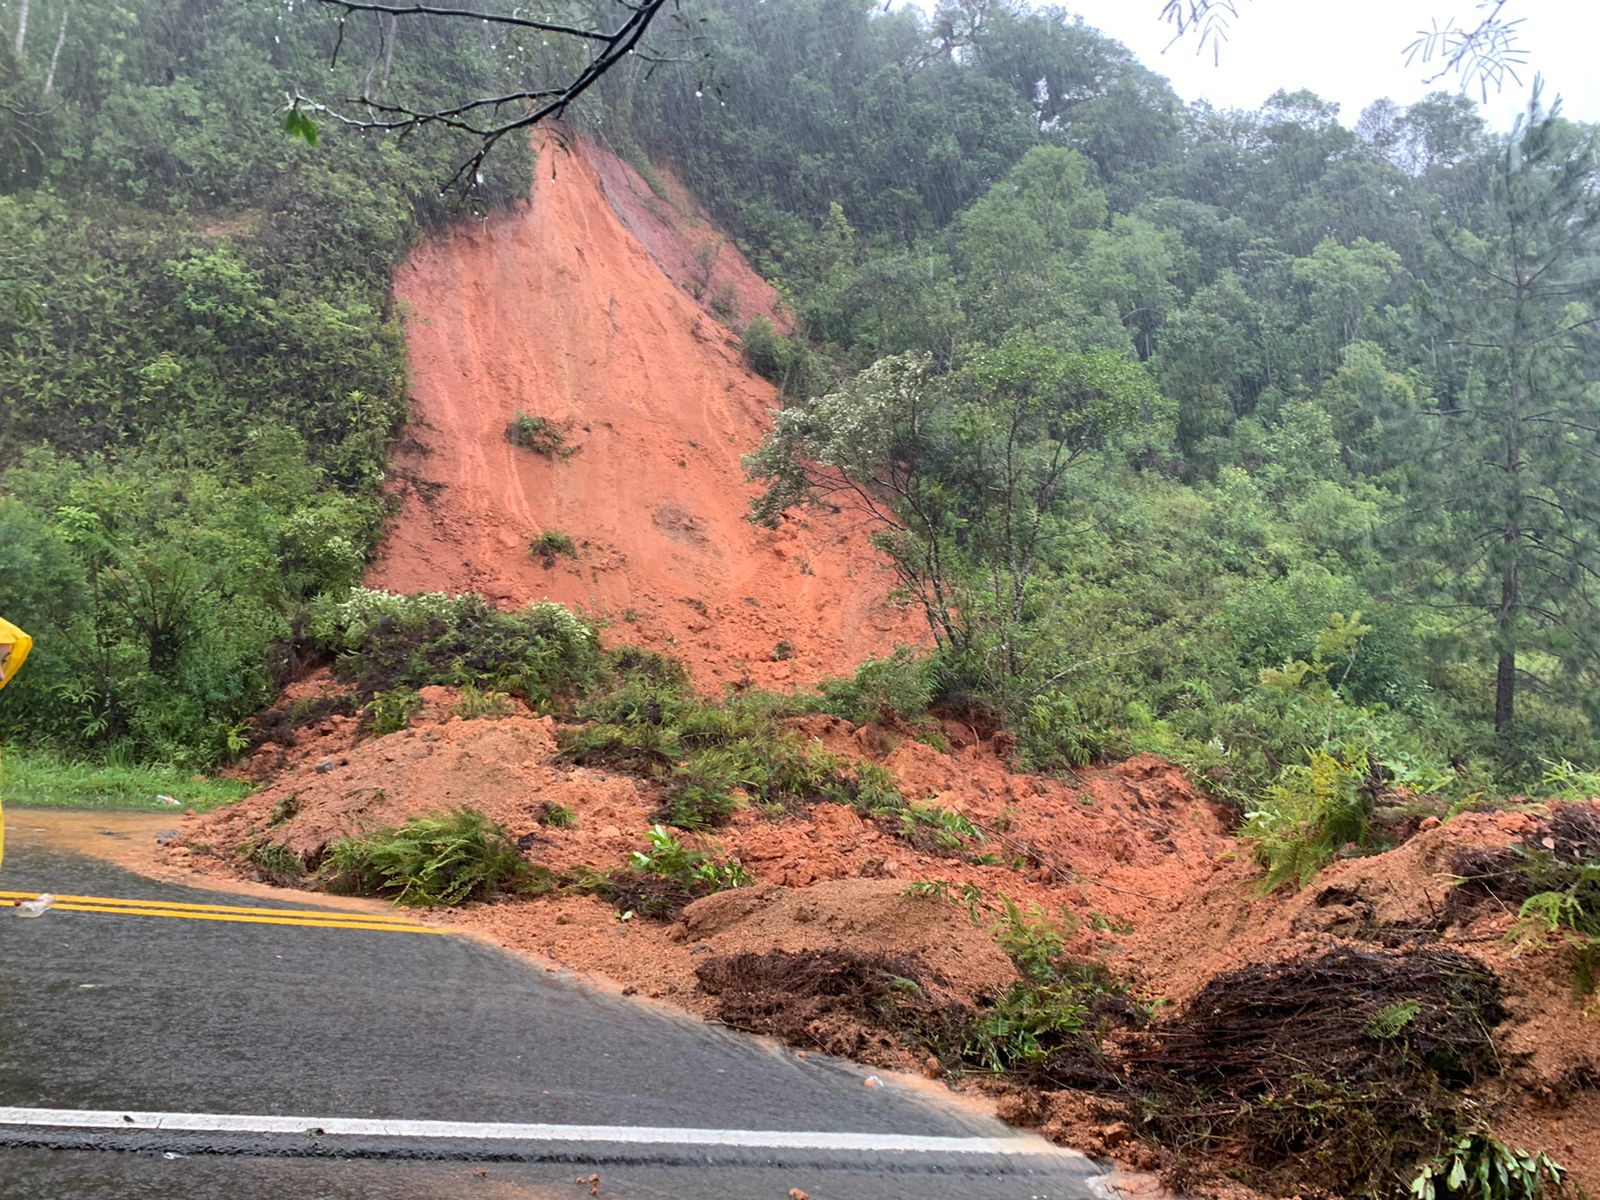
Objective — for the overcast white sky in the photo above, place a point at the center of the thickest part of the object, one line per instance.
(1353, 51)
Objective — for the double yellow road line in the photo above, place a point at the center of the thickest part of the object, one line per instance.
(307, 917)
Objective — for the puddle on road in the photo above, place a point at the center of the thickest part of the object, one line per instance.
(126, 839)
(132, 841)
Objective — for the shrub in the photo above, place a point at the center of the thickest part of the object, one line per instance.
(897, 688)
(538, 434)
(441, 858)
(391, 711)
(1311, 813)
(550, 544)
(772, 356)
(1055, 735)
(383, 641)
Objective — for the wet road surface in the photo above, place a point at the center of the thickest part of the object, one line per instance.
(341, 1044)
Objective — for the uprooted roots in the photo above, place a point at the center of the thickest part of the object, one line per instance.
(1343, 1070)
(1547, 860)
(839, 1001)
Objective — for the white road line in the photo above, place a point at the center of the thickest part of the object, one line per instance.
(631, 1135)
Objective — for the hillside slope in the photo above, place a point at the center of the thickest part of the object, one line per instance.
(556, 310)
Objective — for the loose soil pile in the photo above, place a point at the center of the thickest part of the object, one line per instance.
(1137, 866)
(557, 311)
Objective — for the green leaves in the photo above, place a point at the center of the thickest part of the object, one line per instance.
(298, 125)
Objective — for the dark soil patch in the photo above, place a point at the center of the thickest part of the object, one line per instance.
(838, 1001)
(282, 723)
(1343, 1070)
(1545, 860)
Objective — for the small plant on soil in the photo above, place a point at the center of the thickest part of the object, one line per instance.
(391, 711)
(538, 434)
(440, 858)
(940, 830)
(475, 703)
(1033, 939)
(1026, 1027)
(783, 651)
(1553, 877)
(671, 859)
(1479, 1167)
(275, 861)
(550, 545)
(557, 816)
(661, 879)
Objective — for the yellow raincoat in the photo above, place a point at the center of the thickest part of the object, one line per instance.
(14, 647)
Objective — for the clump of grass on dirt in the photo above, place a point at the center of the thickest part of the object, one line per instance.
(274, 862)
(710, 758)
(557, 816)
(442, 858)
(539, 434)
(662, 879)
(473, 703)
(41, 779)
(551, 545)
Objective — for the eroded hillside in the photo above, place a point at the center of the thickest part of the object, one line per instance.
(557, 311)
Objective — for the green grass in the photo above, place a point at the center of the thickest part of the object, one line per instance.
(40, 779)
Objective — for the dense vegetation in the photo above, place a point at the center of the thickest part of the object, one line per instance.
(201, 368)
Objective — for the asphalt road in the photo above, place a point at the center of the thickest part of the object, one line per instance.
(341, 1045)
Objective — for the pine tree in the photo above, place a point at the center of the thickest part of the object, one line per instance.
(1516, 496)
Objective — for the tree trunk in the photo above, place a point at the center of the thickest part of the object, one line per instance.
(1507, 618)
(1505, 676)
(22, 30)
(55, 55)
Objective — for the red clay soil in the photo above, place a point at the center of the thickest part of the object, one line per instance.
(674, 229)
(1135, 862)
(1112, 849)
(556, 310)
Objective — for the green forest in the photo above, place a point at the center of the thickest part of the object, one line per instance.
(1258, 439)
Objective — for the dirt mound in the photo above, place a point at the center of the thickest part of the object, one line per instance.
(827, 877)
(870, 916)
(557, 311)
(1127, 862)
(839, 1001)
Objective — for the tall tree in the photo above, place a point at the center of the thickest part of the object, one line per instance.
(1519, 305)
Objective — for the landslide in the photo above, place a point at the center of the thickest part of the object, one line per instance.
(556, 310)
(1260, 996)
